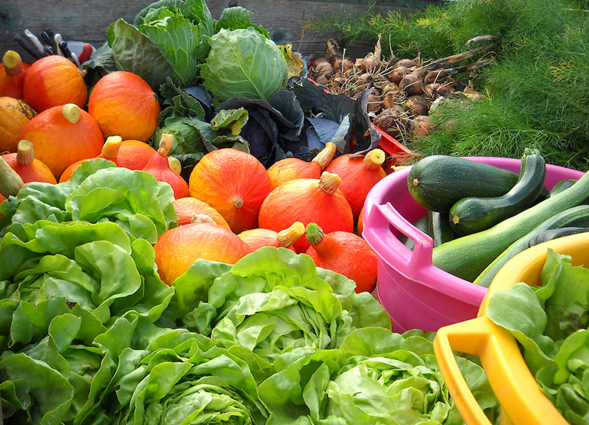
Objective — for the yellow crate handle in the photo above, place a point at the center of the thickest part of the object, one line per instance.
(513, 384)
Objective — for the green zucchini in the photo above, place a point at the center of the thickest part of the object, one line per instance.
(437, 182)
(475, 214)
(575, 216)
(550, 234)
(468, 256)
(439, 228)
(422, 223)
(560, 186)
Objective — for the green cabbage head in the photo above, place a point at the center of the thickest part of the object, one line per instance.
(243, 63)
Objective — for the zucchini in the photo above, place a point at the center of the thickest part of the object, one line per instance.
(439, 228)
(437, 182)
(550, 234)
(422, 223)
(468, 256)
(475, 214)
(560, 186)
(575, 216)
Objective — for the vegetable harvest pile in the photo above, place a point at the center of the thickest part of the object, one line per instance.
(181, 223)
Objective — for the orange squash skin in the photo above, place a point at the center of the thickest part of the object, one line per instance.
(186, 208)
(234, 183)
(15, 114)
(178, 248)
(303, 200)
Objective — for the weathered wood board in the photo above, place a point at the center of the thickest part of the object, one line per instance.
(88, 20)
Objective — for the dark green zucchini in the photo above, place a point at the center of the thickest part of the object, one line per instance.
(422, 223)
(475, 214)
(560, 186)
(439, 228)
(576, 216)
(550, 234)
(437, 182)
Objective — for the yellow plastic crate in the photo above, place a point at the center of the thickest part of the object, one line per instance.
(522, 401)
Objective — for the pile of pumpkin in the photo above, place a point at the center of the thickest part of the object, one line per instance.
(231, 205)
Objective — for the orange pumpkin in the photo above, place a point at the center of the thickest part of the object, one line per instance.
(234, 183)
(110, 151)
(12, 75)
(359, 174)
(14, 115)
(27, 166)
(63, 135)
(360, 225)
(344, 253)
(124, 105)
(308, 201)
(178, 248)
(54, 81)
(294, 168)
(258, 238)
(187, 208)
(159, 166)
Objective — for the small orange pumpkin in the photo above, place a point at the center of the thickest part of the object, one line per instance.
(359, 174)
(12, 75)
(63, 135)
(54, 81)
(258, 238)
(124, 105)
(178, 248)
(344, 253)
(187, 208)
(308, 201)
(14, 115)
(234, 183)
(110, 151)
(159, 166)
(27, 166)
(294, 168)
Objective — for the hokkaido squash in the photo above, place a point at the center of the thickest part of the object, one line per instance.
(187, 208)
(359, 174)
(294, 168)
(14, 115)
(12, 75)
(344, 253)
(258, 238)
(29, 168)
(124, 105)
(234, 183)
(63, 135)
(54, 81)
(308, 201)
(110, 151)
(178, 248)
(159, 166)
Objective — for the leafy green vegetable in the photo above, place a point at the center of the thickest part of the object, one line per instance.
(550, 322)
(243, 62)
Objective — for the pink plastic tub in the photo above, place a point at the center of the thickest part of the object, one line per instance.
(416, 294)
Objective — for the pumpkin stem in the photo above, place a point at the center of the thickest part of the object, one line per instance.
(324, 157)
(25, 154)
(12, 63)
(71, 112)
(110, 149)
(314, 233)
(288, 237)
(202, 218)
(374, 159)
(175, 164)
(165, 144)
(237, 203)
(10, 181)
(329, 182)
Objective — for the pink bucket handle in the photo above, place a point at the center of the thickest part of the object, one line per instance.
(378, 235)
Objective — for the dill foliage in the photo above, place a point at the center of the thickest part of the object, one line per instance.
(536, 92)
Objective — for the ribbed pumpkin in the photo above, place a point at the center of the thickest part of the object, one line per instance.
(63, 135)
(27, 166)
(110, 151)
(359, 174)
(14, 115)
(308, 201)
(344, 253)
(12, 75)
(187, 208)
(54, 81)
(124, 105)
(258, 238)
(177, 249)
(234, 183)
(159, 166)
(294, 168)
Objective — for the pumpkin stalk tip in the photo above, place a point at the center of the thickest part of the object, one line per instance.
(374, 159)
(111, 147)
(166, 142)
(12, 63)
(71, 112)
(324, 157)
(329, 182)
(238, 203)
(288, 237)
(314, 233)
(25, 154)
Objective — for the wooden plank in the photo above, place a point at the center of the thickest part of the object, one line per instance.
(87, 21)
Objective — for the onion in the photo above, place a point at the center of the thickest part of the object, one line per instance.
(398, 73)
(393, 120)
(421, 126)
(411, 84)
(417, 105)
(407, 63)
